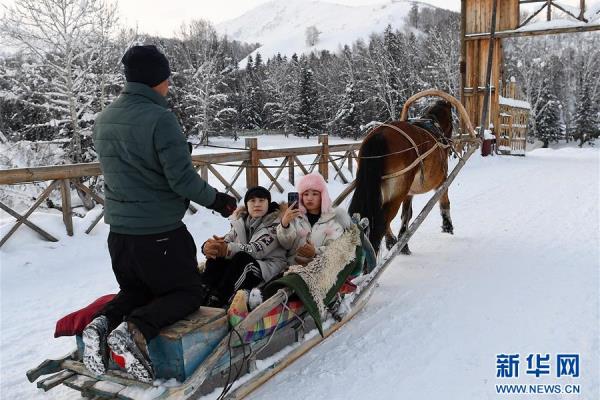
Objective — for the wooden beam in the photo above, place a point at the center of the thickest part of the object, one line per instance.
(224, 181)
(28, 223)
(236, 176)
(338, 169)
(536, 32)
(270, 176)
(279, 171)
(69, 171)
(316, 161)
(580, 17)
(65, 191)
(323, 160)
(39, 201)
(72, 171)
(532, 16)
(89, 191)
(252, 167)
(488, 75)
(202, 159)
(301, 166)
(291, 172)
(95, 222)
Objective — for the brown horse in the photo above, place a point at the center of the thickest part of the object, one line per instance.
(385, 178)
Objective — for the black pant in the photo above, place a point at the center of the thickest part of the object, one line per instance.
(227, 276)
(158, 277)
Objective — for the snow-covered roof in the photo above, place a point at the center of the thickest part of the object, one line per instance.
(554, 24)
(505, 101)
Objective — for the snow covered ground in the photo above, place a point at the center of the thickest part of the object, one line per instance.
(519, 276)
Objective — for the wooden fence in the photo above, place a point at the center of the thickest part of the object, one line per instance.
(65, 177)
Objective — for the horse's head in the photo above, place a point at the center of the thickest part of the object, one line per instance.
(441, 111)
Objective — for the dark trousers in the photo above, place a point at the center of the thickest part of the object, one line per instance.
(227, 276)
(158, 278)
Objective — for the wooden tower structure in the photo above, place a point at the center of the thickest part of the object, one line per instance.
(481, 70)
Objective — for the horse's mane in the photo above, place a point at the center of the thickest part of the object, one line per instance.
(438, 109)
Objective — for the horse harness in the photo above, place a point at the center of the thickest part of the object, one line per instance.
(434, 129)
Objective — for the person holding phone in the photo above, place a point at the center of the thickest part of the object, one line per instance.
(310, 222)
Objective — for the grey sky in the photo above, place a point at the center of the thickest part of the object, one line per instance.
(163, 17)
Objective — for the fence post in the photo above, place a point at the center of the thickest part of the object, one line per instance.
(204, 172)
(65, 191)
(252, 168)
(291, 174)
(350, 163)
(324, 159)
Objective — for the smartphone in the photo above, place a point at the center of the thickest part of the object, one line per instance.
(293, 197)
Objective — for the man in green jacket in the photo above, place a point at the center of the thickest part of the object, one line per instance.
(149, 179)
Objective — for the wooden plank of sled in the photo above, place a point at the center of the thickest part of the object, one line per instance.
(79, 368)
(266, 374)
(106, 389)
(54, 380)
(80, 382)
(49, 367)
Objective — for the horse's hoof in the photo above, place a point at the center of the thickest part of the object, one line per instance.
(406, 251)
(390, 242)
(448, 229)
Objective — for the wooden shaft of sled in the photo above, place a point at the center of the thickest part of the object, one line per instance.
(261, 378)
(204, 370)
(452, 100)
(344, 194)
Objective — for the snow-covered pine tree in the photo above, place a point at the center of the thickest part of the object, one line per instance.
(547, 119)
(383, 77)
(348, 120)
(67, 39)
(308, 123)
(21, 118)
(413, 16)
(254, 98)
(198, 68)
(586, 124)
(441, 50)
(276, 93)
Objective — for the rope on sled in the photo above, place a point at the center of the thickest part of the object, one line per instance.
(247, 357)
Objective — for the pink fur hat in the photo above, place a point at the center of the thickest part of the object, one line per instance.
(315, 181)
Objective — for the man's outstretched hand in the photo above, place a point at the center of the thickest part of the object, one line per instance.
(224, 204)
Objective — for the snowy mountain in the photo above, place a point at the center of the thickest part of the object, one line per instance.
(280, 25)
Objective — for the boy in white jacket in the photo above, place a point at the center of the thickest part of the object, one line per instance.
(249, 254)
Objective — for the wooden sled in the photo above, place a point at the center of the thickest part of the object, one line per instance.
(225, 363)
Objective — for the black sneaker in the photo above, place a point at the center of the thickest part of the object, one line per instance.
(94, 340)
(121, 342)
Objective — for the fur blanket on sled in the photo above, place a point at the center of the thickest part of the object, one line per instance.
(317, 283)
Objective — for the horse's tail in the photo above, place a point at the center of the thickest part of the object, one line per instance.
(367, 199)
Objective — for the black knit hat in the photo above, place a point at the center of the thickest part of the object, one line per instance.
(257, 191)
(145, 64)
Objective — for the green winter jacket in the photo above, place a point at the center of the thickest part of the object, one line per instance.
(148, 172)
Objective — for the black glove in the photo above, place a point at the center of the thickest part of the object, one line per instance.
(224, 204)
